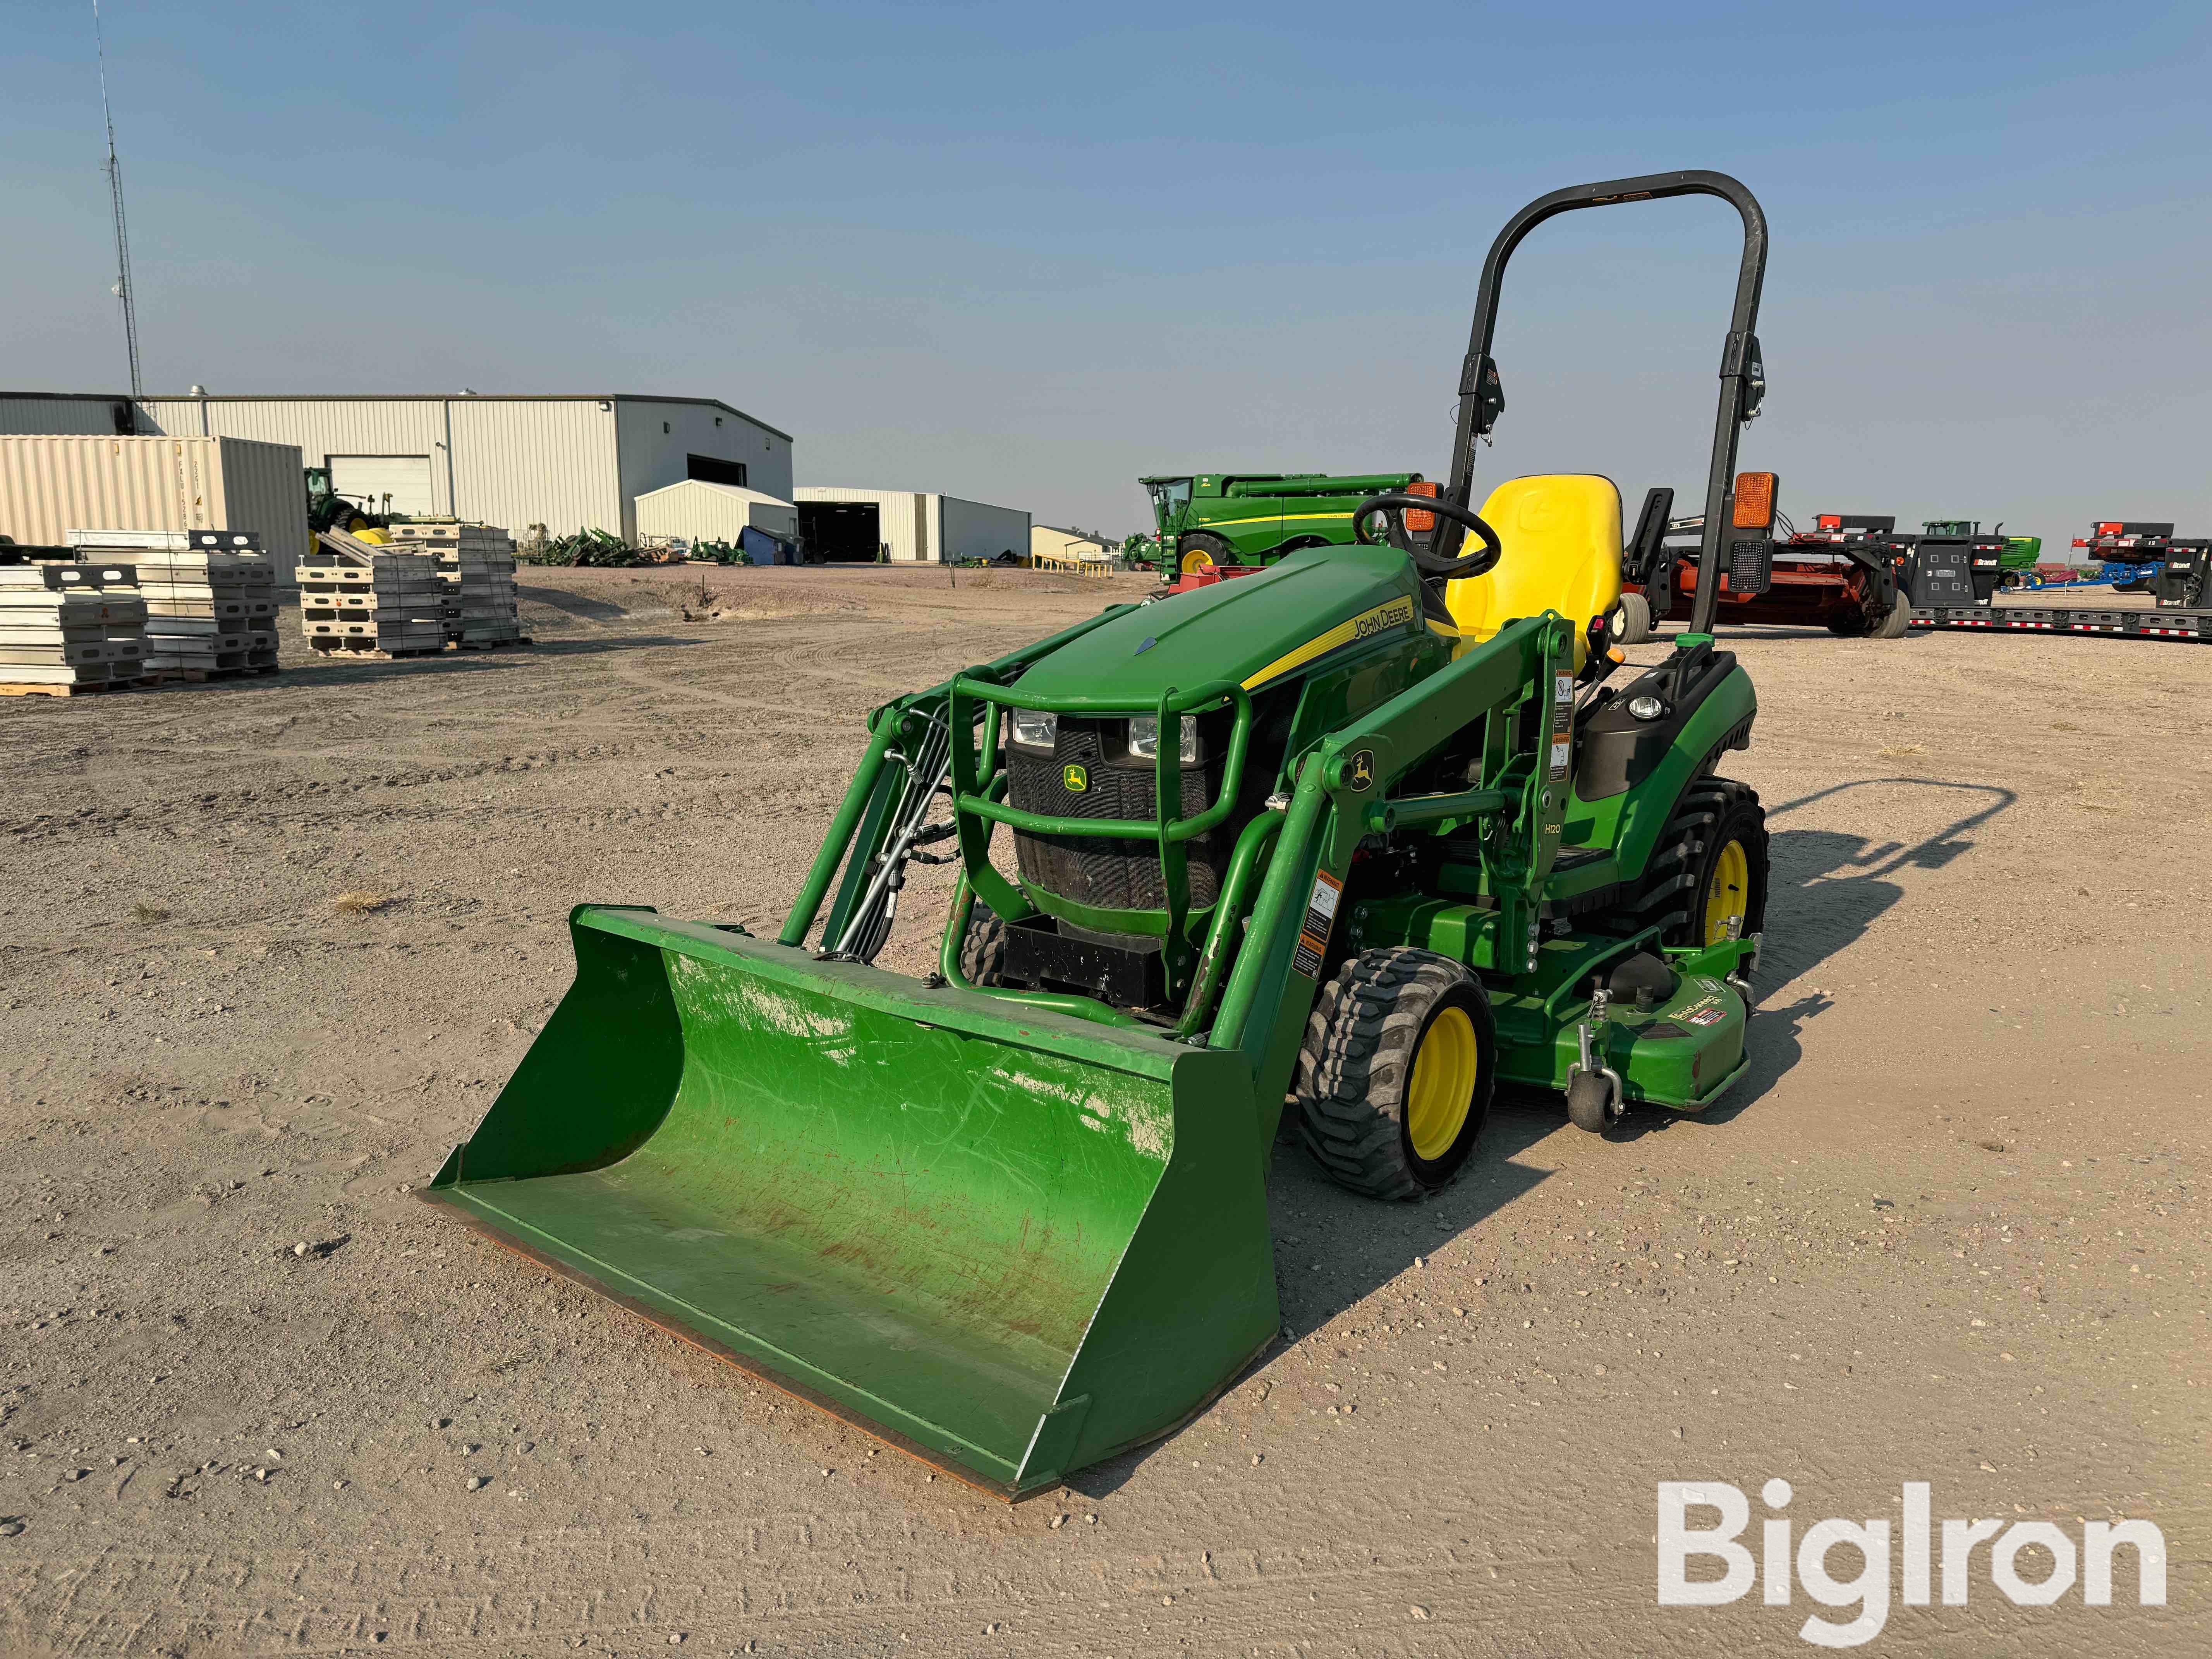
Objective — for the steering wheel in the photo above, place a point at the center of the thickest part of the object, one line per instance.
(1394, 507)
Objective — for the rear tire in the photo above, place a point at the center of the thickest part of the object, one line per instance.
(1693, 883)
(1897, 624)
(1632, 620)
(1395, 1077)
(983, 949)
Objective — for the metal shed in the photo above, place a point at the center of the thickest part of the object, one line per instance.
(569, 462)
(699, 512)
(912, 526)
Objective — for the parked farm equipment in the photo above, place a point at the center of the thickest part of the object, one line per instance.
(1208, 520)
(1368, 828)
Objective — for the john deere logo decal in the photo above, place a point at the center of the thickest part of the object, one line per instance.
(1075, 778)
(1359, 771)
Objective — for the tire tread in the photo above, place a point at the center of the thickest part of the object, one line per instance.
(1354, 1068)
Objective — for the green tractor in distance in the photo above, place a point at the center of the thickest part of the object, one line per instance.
(328, 510)
(1368, 831)
(1254, 519)
(2015, 564)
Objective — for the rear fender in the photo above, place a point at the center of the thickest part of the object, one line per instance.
(1631, 822)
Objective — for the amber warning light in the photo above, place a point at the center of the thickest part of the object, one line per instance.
(1420, 524)
(1755, 501)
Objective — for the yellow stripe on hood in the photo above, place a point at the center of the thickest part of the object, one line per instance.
(1392, 613)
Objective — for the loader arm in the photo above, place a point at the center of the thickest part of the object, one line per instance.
(1520, 803)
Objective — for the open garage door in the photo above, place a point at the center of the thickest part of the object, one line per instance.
(368, 479)
(840, 533)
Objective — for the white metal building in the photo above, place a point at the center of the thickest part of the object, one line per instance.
(702, 512)
(1049, 541)
(911, 526)
(568, 462)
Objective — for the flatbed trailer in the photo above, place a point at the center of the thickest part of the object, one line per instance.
(1946, 594)
(2132, 625)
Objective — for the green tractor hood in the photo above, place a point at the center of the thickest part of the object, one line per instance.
(1251, 629)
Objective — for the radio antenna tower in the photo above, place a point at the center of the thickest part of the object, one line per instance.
(122, 228)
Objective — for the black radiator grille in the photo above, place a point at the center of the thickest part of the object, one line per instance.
(1112, 874)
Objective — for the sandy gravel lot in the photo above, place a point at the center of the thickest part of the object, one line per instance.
(1952, 1229)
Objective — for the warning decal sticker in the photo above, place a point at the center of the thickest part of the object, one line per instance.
(1563, 724)
(1320, 917)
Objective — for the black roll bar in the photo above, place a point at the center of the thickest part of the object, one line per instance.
(1742, 374)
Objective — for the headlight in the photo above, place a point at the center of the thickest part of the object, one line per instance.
(1035, 731)
(1646, 708)
(1145, 737)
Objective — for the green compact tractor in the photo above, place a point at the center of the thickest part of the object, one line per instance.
(1372, 831)
(1212, 519)
(328, 510)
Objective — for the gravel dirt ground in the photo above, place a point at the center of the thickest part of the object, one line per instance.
(258, 1399)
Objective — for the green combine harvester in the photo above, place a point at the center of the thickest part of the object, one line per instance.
(1211, 519)
(1371, 831)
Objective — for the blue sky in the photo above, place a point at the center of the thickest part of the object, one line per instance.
(1026, 253)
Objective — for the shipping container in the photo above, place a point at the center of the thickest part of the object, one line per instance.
(51, 485)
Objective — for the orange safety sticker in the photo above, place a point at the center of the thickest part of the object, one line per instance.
(1321, 918)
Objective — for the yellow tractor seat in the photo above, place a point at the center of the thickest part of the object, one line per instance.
(1561, 535)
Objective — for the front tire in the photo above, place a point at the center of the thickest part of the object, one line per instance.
(1198, 552)
(1395, 1077)
(1588, 1098)
(1897, 624)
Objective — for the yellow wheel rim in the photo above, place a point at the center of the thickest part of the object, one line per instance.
(1445, 1067)
(1196, 559)
(1727, 892)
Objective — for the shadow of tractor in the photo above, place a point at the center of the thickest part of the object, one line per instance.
(1826, 890)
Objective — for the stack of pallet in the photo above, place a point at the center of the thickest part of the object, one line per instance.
(211, 597)
(357, 600)
(66, 628)
(476, 562)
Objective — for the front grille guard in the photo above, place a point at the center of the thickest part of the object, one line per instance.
(977, 802)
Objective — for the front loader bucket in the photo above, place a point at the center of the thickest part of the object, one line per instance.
(1009, 1240)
